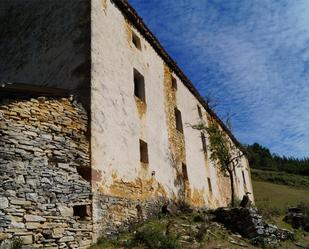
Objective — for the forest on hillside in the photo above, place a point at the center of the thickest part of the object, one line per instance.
(261, 158)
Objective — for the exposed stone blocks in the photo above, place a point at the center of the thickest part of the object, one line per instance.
(42, 143)
(115, 214)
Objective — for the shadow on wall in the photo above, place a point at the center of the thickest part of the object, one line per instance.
(46, 43)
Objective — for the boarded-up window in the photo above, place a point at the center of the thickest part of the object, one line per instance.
(243, 177)
(209, 184)
(139, 85)
(143, 147)
(184, 172)
(204, 142)
(199, 110)
(174, 83)
(136, 41)
(178, 118)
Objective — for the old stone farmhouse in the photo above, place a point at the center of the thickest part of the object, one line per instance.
(95, 125)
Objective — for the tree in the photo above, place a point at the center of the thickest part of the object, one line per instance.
(223, 152)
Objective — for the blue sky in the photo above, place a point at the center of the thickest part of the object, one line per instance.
(250, 55)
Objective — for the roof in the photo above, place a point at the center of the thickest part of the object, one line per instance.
(7, 88)
(131, 14)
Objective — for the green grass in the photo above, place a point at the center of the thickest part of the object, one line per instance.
(277, 198)
(282, 178)
(273, 201)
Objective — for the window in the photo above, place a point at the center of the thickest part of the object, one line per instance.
(139, 86)
(204, 142)
(143, 147)
(136, 41)
(243, 177)
(209, 184)
(82, 211)
(184, 172)
(199, 110)
(178, 118)
(174, 83)
(84, 172)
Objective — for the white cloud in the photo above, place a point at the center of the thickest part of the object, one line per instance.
(253, 54)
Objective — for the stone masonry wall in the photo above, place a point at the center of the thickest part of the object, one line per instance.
(43, 146)
(114, 214)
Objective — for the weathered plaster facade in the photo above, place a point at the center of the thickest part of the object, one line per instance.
(137, 145)
(120, 120)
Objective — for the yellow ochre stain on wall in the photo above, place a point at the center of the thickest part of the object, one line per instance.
(104, 5)
(141, 188)
(175, 137)
(141, 107)
(224, 188)
(128, 31)
(198, 198)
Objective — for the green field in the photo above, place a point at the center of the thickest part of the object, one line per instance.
(282, 178)
(278, 197)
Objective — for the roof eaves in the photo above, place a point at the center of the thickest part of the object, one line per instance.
(8, 87)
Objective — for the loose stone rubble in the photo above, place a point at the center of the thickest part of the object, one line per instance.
(43, 144)
(297, 218)
(248, 223)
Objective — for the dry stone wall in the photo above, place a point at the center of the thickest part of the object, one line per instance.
(115, 214)
(44, 200)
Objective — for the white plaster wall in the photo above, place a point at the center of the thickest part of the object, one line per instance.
(116, 125)
(198, 169)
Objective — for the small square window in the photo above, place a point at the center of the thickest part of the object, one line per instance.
(136, 41)
(143, 147)
(84, 172)
(139, 85)
(209, 184)
(178, 118)
(184, 172)
(199, 110)
(204, 142)
(82, 211)
(174, 83)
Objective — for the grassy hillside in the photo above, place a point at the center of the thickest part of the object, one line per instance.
(280, 178)
(190, 231)
(277, 198)
(183, 231)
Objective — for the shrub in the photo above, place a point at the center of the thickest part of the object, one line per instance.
(201, 233)
(16, 243)
(184, 207)
(154, 239)
(198, 218)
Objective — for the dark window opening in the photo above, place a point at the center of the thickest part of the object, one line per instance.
(84, 172)
(209, 184)
(184, 172)
(178, 118)
(136, 41)
(82, 211)
(143, 147)
(174, 83)
(199, 110)
(139, 86)
(204, 142)
(243, 177)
